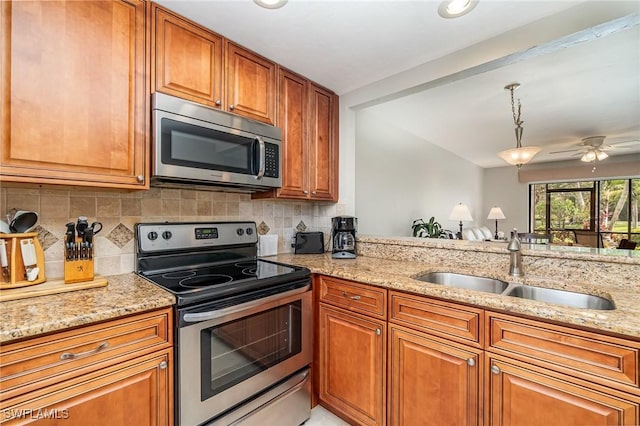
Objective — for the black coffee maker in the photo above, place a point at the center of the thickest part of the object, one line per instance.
(343, 235)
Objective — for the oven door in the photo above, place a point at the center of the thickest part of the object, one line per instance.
(228, 355)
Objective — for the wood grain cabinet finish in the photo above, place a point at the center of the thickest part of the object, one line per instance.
(462, 324)
(187, 59)
(594, 357)
(74, 94)
(251, 84)
(118, 372)
(361, 298)
(432, 381)
(518, 394)
(308, 117)
(352, 360)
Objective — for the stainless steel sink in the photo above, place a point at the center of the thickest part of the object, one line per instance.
(561, 297)
(450, 279)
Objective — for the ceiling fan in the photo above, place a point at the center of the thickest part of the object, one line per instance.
(594, 149)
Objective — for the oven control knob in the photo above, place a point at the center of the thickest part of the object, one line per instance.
(166, 235)
(152, 235)
(249, 231)
(240, 231)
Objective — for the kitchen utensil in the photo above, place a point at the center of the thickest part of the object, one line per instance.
(4, 227)
(4, 261)
(22, 220)
(82, 224)
(96, 227)
(28, 249)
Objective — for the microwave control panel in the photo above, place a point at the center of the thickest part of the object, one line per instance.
(271, 167)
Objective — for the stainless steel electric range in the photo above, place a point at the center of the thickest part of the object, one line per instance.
(243, 324)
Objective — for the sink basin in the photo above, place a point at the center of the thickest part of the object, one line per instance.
(470, 282)
(562, 297)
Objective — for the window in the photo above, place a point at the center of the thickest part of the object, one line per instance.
(592, 213)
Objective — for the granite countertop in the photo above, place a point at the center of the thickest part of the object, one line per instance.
(400, 275)
(124, 295)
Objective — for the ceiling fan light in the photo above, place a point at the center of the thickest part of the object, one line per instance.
(588, 157)
(519, 156)
(601, 155)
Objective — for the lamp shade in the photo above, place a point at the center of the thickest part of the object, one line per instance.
(461, 212)
(496, 213)
(519, 156)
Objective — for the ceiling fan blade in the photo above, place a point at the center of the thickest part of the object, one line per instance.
(566, 150)
(620, 144)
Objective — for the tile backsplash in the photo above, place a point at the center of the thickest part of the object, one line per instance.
(120, 211)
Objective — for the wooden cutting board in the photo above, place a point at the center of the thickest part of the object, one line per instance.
(50, 287)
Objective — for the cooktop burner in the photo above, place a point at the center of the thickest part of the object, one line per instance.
(197, 278)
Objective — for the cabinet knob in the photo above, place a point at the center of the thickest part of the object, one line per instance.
(231, 107)
(471, 362)
(313, 192)
(163, 365)
(305, 191)
(495, 369)
(140, 178)
(378, 331)
(218, 102)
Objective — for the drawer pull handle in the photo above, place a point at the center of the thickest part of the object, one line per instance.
(69, 355)
(471, 362)
(495, 369)
(354, 297)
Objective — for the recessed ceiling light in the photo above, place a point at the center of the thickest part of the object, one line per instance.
(271, 4)
(455, 8)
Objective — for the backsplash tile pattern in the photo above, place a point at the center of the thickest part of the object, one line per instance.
(119, 212)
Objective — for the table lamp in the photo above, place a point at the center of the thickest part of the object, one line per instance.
(496, 213)
(460, 212)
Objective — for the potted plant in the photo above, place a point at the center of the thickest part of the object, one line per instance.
(431, 229)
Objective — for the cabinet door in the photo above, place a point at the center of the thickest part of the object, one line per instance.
(74, 94)
(133, 393)
(352, 365)
(519, 395)
(251, 84)
(323, 141)
(187, 59)
(293, 110)
(432, 382)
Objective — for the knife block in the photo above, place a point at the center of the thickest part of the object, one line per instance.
(17, 276)
(76, 271)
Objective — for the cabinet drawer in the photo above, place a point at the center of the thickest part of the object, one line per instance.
(591, 356)
(460, 323)
(360, 298)
(39, 362)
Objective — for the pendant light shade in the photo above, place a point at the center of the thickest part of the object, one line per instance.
(519, 155)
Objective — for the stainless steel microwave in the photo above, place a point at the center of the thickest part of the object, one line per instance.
(197, 145)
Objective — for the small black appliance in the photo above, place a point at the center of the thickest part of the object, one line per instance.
(343, 236)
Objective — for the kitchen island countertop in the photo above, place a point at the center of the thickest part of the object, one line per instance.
(400, 275)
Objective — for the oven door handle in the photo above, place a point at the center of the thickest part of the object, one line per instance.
(210, 315)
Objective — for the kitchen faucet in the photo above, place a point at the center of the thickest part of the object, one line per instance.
(515, 256)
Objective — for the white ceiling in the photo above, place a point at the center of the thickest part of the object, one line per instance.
(586, 90)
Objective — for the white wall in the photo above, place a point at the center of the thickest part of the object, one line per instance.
(500, 187)
(400, 177)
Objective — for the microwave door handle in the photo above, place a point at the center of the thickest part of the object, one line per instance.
(262, 158)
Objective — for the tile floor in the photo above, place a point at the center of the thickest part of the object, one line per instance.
(322, 417)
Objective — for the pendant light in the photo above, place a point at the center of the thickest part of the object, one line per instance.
(519, 155)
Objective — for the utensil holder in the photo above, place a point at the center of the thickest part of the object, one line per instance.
(76, 271)
(17, 269)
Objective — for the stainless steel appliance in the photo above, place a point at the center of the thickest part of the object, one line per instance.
(197, 145)
(243, 324)
(343, 236)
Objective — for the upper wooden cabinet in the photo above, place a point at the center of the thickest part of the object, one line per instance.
(308, 117)
(188, 59)
(74, 93)
(251, 85)
(197, 64)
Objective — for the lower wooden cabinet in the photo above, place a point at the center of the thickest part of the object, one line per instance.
(118, 372)
(432, 381)
(520, 394)
(352, 359)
